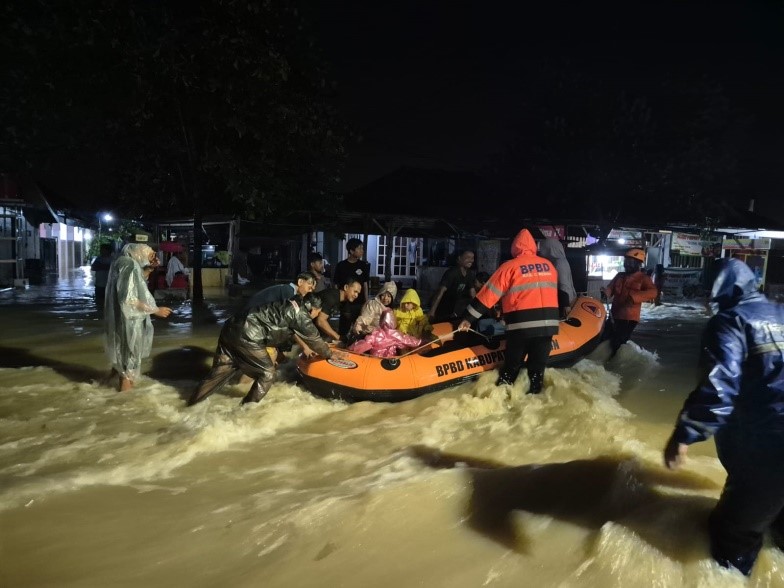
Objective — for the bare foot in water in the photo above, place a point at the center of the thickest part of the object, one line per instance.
(125, 384)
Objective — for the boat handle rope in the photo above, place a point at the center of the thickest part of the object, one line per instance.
(438, 339)
(420, 347)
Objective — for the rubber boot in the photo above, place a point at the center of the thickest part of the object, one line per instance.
(256, 393)
(504, 379)
(537, 381)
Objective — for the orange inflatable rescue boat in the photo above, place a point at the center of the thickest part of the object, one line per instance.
(354, 376)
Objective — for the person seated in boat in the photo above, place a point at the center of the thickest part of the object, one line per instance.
(371, 311)
(552, 249)
(410, 317)
(493, 325)
(386, 340)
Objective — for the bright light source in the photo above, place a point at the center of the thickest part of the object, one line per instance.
(107, 217)
(622, 241)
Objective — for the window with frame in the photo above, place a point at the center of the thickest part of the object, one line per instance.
(406, 255)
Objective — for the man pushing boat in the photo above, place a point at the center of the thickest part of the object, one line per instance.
(247, 341)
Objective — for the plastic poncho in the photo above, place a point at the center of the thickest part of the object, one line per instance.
(740, 397)
(412, 322)
(552, 249)
(370, 315)
(127, 311)
(385, 340)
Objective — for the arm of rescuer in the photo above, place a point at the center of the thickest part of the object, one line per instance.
(306, 350)
(607, 291)
(306, 335)
(647, 291)
(710, 406)
(484, 301)
(322, 322)
(433, 307)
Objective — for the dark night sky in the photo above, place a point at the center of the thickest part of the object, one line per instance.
(443, 84)
(437, 84)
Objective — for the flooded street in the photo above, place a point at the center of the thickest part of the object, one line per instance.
(463, 488)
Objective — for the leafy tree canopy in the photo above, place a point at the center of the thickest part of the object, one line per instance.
(591, 148)
(196, 107)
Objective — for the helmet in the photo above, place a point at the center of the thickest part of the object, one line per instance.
(637, 254)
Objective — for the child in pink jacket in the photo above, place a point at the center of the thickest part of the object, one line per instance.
(385, 340)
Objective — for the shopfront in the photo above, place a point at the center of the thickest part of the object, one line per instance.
(754, 252)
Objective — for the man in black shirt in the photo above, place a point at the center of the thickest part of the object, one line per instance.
(352, 267)
(455, 291)
(335, 301)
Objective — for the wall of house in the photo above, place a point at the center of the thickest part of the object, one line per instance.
(71, 246)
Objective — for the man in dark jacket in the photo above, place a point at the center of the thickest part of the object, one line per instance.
(740, 400)
(248, 338)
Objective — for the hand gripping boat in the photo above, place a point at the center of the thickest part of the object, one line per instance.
(354, 376)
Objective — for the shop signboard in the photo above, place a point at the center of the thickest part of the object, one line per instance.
(682, 282)
(629, 238)
(697, 245)
(745, 244)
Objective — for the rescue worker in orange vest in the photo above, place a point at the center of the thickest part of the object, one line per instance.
(627, 290)
(527, 286)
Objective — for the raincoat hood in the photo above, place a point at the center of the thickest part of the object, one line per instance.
(410, 296)
(390, 287)
(734, 282)
(552, 249)
(388, 320)
(138, 252)
(523, 244)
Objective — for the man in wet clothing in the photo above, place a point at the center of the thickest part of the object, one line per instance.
(740, 400)
(248, 338)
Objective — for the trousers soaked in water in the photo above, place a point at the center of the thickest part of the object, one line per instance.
(535, 350)
(238, 355)
(751, 503)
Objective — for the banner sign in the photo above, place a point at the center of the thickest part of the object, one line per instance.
(630, 238)
(747, 244)
(688, 244)
(682, 282)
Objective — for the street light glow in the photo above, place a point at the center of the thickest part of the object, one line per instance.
(107, 217)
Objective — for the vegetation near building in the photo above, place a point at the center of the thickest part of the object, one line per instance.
(217, 106)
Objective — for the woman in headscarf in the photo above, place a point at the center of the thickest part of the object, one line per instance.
(371, 311)
(127, 312)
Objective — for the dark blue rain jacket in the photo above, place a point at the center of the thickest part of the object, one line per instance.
(740, 397)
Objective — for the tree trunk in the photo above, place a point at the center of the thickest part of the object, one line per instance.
(198, 239)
